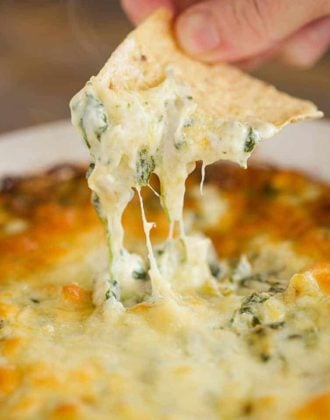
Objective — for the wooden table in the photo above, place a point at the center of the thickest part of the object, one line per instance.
(49, 48)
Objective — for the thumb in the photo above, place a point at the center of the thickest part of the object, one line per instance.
(222, 30)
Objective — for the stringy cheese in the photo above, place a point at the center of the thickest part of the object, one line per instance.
(134, 134)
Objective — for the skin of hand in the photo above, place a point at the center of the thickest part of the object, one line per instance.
(246, 32)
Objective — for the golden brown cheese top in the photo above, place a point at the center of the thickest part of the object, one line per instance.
(252, 344)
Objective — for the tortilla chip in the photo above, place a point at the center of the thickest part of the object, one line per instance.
(220, 90)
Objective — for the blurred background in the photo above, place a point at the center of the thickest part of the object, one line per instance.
(49, 48)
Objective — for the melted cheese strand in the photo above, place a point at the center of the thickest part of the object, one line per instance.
(202, 178)
(153, 190)
(160, 287)
(171, 231)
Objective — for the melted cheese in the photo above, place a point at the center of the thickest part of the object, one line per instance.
(132, 135)
(252, 342)
(211, 355)
(214, 333)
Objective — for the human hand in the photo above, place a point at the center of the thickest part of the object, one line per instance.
(246, 32)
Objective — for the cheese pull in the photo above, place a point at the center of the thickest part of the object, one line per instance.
(152, 109)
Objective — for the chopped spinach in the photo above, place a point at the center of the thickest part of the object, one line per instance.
(98, 207)
(94, 119)
(262, 282)
(90, 169)
(109, 294)
(250, 301)
(255, 321)
(276, 287)
(144, 167)
(113, 291)
(250, 141)
(83, 131)
(214, 269)
(140, 274)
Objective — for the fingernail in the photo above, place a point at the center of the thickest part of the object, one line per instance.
(197, 32)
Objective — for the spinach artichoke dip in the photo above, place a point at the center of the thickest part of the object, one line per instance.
(186, 297)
